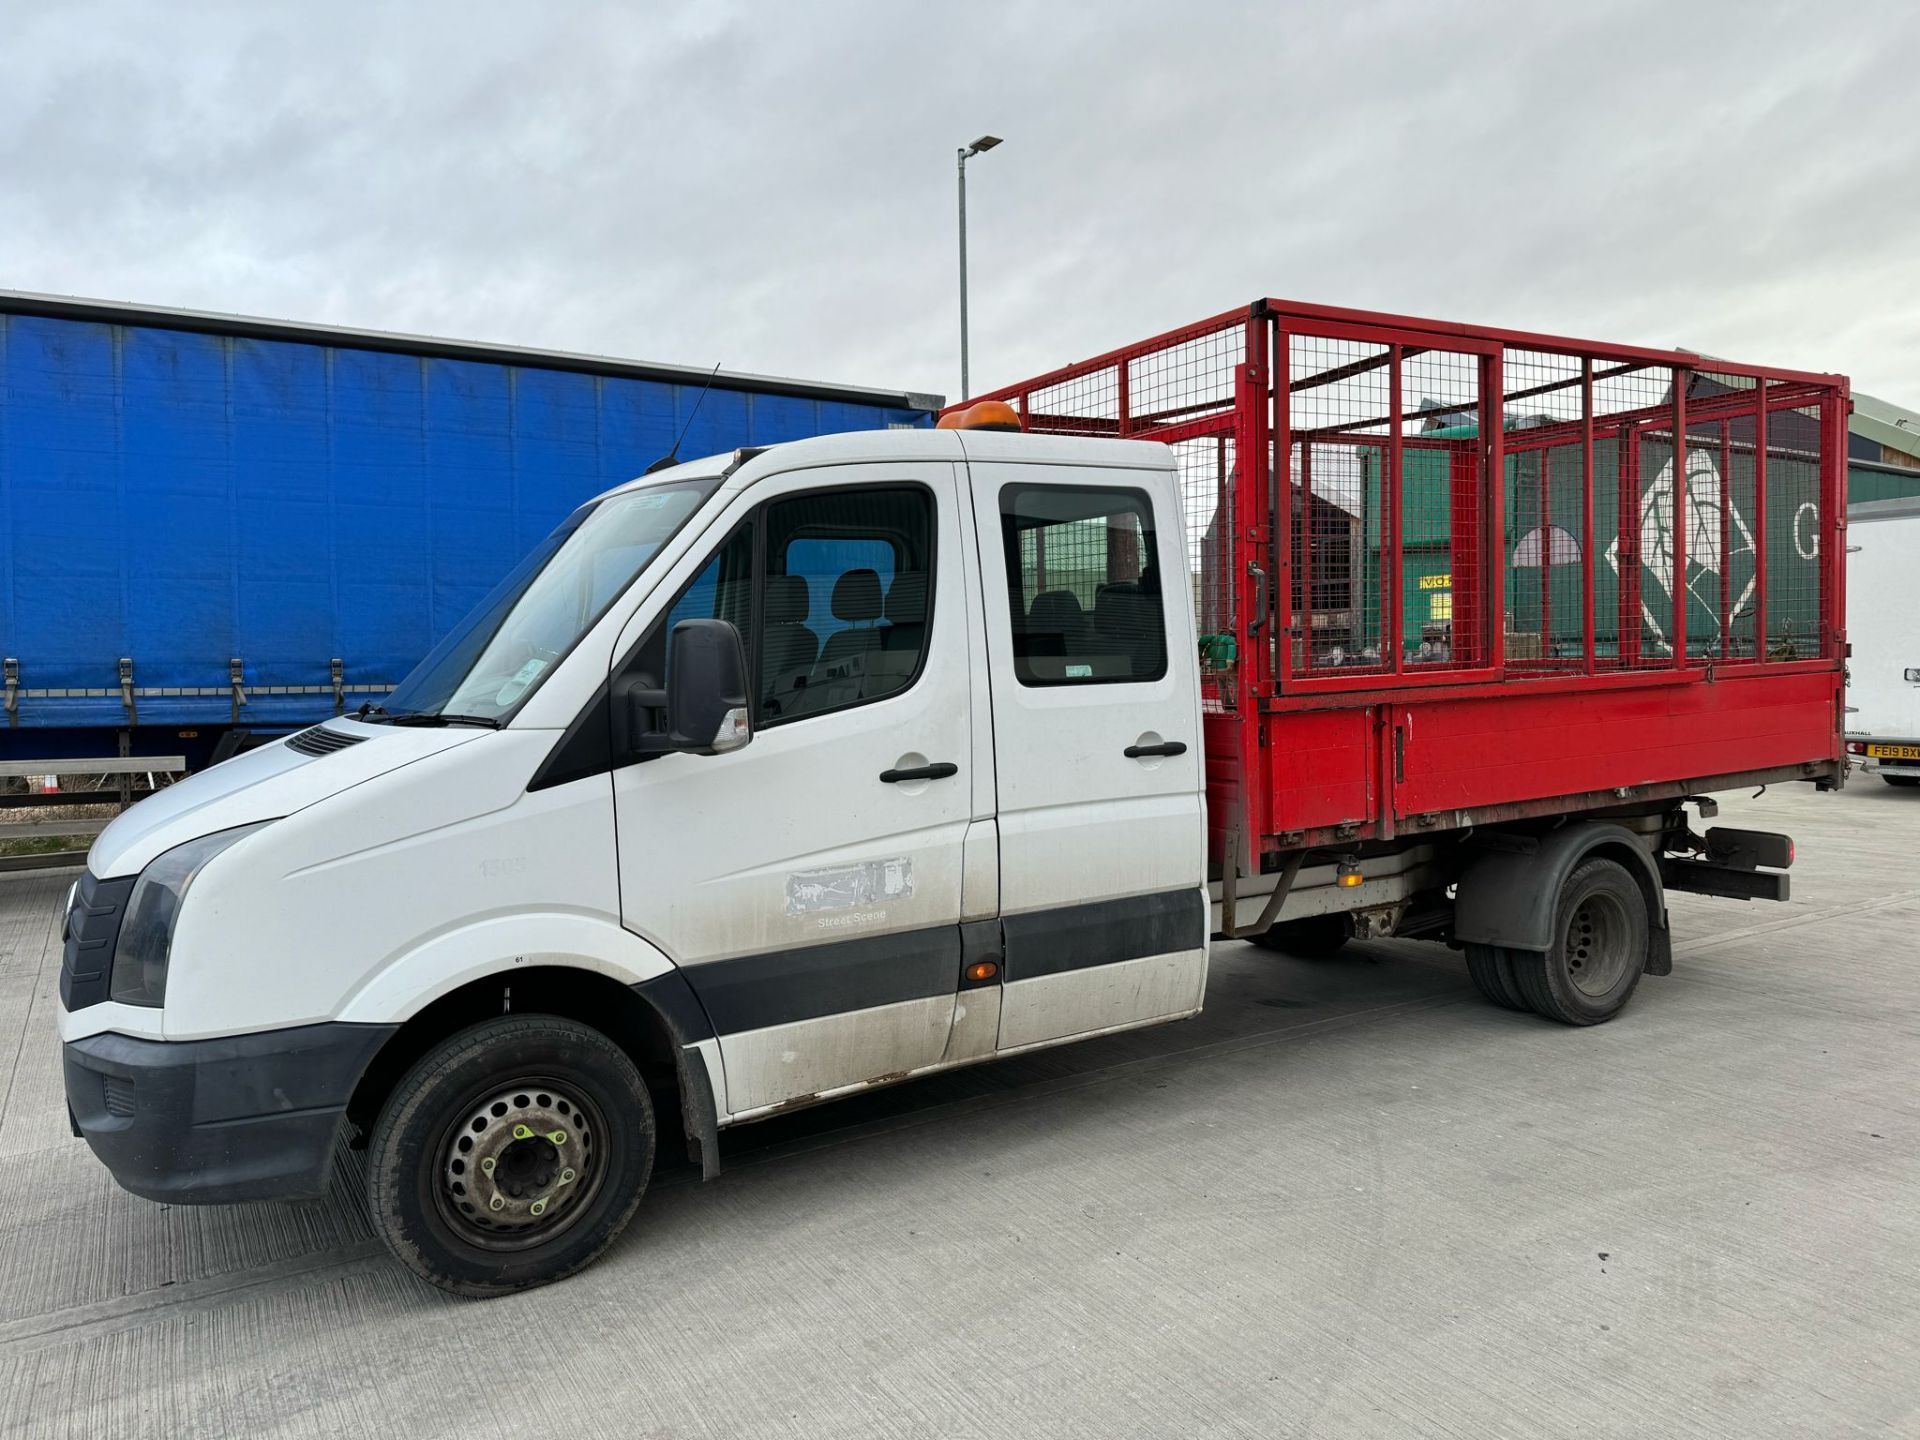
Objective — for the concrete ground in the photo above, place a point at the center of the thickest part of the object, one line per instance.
(1350, 1200)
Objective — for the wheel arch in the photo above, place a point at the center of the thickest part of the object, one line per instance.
(658, 1023)
(1507, 897)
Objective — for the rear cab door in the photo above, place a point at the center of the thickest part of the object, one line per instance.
(1095, 707)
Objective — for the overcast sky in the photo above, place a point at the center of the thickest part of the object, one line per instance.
(771, 186)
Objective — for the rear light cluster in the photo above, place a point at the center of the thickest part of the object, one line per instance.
(1856, 747)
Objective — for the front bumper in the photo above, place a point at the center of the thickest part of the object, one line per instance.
(201, 1122)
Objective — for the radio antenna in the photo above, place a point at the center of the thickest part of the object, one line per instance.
(672, 457)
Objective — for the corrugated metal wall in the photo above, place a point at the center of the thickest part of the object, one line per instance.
(1880, 483)
(183, 498)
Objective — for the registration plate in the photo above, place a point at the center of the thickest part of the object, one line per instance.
(1894, 752)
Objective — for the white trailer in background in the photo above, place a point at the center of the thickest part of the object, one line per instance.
(1883, 624)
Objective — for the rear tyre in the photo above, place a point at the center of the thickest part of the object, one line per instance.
(1901, 779)
(1599, 948)
(1314, 938)
(510, 1155)
(1491, 967)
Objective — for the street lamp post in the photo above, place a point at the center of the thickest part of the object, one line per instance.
(983, 144)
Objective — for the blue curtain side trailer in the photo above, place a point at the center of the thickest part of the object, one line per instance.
(213, 527)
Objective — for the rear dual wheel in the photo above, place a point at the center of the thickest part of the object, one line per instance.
(1599, 952)
(512, 1154)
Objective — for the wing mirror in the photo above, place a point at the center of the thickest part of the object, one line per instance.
(704, 704)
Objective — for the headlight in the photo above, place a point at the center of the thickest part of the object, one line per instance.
(146, 932)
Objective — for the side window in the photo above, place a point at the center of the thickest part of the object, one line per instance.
(1083, 586)
(722, 590)
(848, 579)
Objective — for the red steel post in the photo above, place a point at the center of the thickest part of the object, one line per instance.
(1586, 508)
(1281, 509)
(1494, 488)
(1627, 643)
(1306, 551)
(1390, 599)
(1682, 515)
(1726, 539)
(1760, 524)
(1253, 454)
(1545, 454)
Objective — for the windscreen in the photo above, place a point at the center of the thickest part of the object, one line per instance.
(495, 657)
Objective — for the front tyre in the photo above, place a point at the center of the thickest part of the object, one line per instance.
(511, 1154)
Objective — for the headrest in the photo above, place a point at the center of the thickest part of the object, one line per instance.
(907, 598)
(1055, 610)
(788, 599)
(856, 595)
(1118, 601)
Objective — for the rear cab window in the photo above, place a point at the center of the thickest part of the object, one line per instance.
(1083, 585)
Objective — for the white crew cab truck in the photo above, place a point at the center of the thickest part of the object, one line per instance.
(596, 846)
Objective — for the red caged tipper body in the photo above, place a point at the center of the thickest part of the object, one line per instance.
(1434, 568)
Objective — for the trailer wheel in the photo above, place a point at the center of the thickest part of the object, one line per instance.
(510, 1155)
(1599, 948)
(1491, 967)
(1313, 938)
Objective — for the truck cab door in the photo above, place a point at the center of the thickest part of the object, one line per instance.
(809, 884)
(1096, 724)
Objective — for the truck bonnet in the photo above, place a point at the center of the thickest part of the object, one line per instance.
(267, 783)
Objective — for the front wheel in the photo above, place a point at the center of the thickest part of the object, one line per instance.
(1600, 936)
(511, 1154)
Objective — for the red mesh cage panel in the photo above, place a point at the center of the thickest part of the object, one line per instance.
(1441, 493)
(1338, 410)
(1388, 507)
(1794, 573)
(1207, 493)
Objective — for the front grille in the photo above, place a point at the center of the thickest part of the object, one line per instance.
(321, 741)
(93, 924)
(118, 1092)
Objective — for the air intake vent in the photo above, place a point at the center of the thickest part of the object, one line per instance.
(321, 741)
(118, 1093)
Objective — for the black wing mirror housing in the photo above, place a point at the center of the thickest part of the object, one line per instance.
(704, 704)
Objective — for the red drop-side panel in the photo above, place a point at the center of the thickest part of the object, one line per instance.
(1323, 764)
(1464, 754)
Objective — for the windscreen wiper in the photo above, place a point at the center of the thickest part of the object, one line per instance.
(420, 717)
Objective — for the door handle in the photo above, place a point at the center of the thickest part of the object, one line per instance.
(1165, 747)
(938, 770)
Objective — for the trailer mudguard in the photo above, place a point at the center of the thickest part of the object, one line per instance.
(1507, 896)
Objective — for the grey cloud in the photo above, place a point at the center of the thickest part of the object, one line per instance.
(772, 185)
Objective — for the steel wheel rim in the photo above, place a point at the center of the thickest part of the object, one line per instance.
(520, 1162)
(1598, 941)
